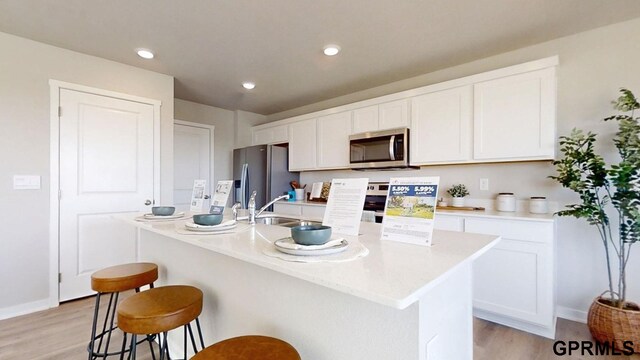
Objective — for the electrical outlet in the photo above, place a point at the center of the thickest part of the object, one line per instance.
(484, 184)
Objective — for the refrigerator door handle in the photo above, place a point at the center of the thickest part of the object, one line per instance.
(244, 185)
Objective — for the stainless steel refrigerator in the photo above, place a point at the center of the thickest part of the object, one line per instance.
(263, 168)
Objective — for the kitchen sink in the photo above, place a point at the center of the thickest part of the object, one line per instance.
(286, 222)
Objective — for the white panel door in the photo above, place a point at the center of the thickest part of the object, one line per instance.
(333, 140)
(106, 168)
(192, 160)
(441, 124)
(302, 145)
(393, 115)
(365, 119)
(514, 117)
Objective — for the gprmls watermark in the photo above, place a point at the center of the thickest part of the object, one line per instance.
(593, 348)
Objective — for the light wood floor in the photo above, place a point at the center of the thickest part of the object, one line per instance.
(62, 333)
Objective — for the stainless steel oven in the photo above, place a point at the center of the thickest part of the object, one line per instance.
(376, 199)
(380, 149)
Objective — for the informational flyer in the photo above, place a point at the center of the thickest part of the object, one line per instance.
(197, 196)
(410, 210)
(345, 205)
(221, 196)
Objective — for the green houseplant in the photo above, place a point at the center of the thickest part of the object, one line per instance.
(610, 201)
(458, 192)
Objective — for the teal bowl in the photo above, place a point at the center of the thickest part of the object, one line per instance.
(311, 234)
(207, 219)
(163, 210)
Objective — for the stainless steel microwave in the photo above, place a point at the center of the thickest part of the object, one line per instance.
(379, 149)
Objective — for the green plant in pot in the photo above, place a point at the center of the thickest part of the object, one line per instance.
(458, 192)
(610, 201)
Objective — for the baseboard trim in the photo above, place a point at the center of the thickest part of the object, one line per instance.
(23, 309)
(544, 331)
(571, 314)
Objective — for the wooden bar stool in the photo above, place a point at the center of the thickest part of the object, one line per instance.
(159, 310)
(251, 347)
(112, 281)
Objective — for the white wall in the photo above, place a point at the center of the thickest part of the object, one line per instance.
(224, 122)
(593, 66)
(244, 121)
(25, 69)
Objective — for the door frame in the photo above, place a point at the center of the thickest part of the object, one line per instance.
(211, 129)
(55, 86)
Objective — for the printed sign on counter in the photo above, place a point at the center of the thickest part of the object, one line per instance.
(197, 196)
(345, 205)
(220, 196)
(410, 210)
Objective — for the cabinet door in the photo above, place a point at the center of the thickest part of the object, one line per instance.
(365, 119)
(272, 135)
(333, 140)
(393, 115)
(441, 125)
(302, 145)
(515, 277)
(313, 212)
(514, 117)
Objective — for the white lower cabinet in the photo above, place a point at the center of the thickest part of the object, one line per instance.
(308, 211)
(513, 282)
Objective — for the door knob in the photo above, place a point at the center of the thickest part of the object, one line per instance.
(148, 202)
(207, 197)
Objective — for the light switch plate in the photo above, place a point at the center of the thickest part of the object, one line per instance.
(484, 184)
(26, 182)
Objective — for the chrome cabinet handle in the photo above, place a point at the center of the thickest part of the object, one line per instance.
(148, 202)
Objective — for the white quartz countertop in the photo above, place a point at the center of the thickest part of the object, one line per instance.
(392, 274)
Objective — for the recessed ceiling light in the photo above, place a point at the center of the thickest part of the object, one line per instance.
(145, 54)
(248, 85)
(331, 50)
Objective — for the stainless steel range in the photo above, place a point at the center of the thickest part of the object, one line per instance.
(376, 199)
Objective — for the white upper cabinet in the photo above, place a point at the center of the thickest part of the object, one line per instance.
(333, 140)
(514, 117)
(365, 119)
(271, 135)
(441, 126)
(393, 115)
(302, 145)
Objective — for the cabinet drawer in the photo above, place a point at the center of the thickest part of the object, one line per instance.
(451, 223)
(287, 209)
(313, 212)
(511, 229)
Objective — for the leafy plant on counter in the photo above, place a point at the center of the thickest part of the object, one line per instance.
(458, 190)
(599, 188)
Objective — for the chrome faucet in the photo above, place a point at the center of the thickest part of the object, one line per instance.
(252, 206)
(234, 210)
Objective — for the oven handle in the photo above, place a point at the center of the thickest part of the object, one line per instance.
(392, 152)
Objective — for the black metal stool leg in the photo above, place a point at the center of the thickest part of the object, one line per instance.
(132, 351)
(124, 346)
(93, 327)
(200, 332)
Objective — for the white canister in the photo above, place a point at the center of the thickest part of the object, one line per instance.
(538, 205)
(506, 202)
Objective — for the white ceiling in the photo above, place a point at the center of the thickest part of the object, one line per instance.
(212, 46)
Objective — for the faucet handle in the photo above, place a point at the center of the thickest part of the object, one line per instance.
(234, 210)
(253, 195)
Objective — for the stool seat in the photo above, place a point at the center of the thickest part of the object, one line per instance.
(160, 309)
(124, 277)
(251, 347)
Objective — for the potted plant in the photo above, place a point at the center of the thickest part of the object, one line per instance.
(458, 192)
(610, 201)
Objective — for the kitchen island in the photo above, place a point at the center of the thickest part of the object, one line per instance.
(401, 301)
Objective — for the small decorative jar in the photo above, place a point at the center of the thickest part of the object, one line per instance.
(457, 201)
(538, 205)
(506, 202)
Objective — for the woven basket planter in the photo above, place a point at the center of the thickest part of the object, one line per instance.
(611, 324)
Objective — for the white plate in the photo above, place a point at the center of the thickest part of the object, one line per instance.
(158, 217)
(213, 228)
(310, 252)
